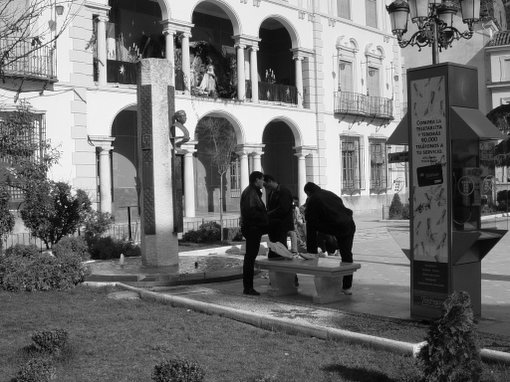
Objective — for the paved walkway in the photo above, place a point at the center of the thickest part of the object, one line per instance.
(381, 286)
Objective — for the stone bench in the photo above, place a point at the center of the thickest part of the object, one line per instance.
(327, 272)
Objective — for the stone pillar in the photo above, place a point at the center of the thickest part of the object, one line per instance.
(257, 166)
(299, 80)
(254, 74)
(186, 61)
(170, 51)
(241, 86)
(159, 242)
(189, 179)
(243, 160)
(101, 50)
(301, 177)
(104, 146)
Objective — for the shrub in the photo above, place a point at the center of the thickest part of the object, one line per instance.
(36, 370)
(51, 211)
(503, 199)
(21, 272)
(175, 370)
(96, 223)
(105, 248)
(232, 234)
(21, 250)
(207, 232)
(6, 217)
(451, 353)
(50, 341)
(396, 207)
(71, 244)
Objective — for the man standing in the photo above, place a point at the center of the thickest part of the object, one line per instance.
(325, 212)
(254, 223)
(279, 211)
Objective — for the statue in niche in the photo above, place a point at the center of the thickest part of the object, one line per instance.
(208, 84)
(178, 120)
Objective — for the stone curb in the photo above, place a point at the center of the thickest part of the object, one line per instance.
(278, 324)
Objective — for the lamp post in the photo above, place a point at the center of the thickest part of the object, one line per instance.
(434, 19)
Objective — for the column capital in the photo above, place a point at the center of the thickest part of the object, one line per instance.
(104, 142)
(251, 148)
(301, 53)
(177, 26)
(304, 150)
(246, 40)
(189, 147)
(98, 9)
(254, 47)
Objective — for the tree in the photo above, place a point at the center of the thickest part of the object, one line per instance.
(51, 211)
(25, 158)
(28, 26)
(220, 140)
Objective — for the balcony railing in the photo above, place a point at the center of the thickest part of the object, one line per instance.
(362, 105)
(121, 72)
(277, 92)
(28, 61)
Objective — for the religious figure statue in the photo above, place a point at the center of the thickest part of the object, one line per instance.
(208, 84)
(178, 120)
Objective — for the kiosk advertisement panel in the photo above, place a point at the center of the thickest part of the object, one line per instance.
(428, 142)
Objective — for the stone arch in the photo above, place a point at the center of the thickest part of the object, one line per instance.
(294, 127)
(236, 124)
(227, 8)
(294, 37)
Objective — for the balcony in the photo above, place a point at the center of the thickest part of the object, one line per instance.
(28, 61)
(361, 105)
(277, 92)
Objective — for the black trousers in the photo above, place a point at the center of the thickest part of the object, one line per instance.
(345, 248)
(252, 236)
(276, 234)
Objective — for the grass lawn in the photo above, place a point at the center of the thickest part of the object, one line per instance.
(122, 340)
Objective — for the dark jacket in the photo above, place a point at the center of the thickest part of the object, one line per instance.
(326, 212)
(279, 209)
(253, 209)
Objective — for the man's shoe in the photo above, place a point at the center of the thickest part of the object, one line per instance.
(347, 291)
(251, 292)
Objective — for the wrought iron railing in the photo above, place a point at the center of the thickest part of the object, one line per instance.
(380, 107)
(26, 59)
(277, 92)
(362, 105)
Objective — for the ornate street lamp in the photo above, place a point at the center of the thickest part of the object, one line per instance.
(434, 19)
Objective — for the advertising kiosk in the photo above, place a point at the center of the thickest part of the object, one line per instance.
(450, 153)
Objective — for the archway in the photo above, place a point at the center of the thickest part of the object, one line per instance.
(124, 165)
(217, 170)
(279, 159)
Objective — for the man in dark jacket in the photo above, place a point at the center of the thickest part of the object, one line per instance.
(279, 211)
(325, 212)
(254, 223)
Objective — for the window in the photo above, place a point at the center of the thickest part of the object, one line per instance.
(351, 167)
(345, 77)
(344, 8)
(378, 179)
(235, 178)
(373, 81)
(29, 134)
(371, 13)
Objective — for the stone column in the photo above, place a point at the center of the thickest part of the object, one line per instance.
(243, 161)
(186, 60)
(104, 145)
(257, 166)
(159, 243)
(254, 74)
(241, 86)
(301, 177)
(170, 51)
(299, 80)
(189, 179)
(101, 50)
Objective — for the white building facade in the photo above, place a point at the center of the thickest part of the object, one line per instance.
(312, 89)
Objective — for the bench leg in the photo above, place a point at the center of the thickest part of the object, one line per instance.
(328, 289)
(282, 284)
